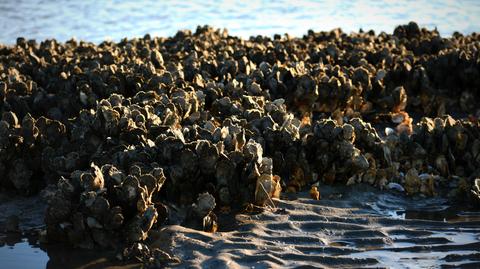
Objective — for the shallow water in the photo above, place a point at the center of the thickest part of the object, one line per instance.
(99, 20)
(360, 227)
(22, 254)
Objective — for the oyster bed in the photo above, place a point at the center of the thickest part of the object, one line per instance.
(116, 136)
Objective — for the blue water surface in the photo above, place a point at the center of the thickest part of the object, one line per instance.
(99, 20)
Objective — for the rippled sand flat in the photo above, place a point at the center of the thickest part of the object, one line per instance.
(354, 228)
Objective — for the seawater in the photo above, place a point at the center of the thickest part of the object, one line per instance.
(96, 21)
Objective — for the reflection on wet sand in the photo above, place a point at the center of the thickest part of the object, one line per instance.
(15, 248)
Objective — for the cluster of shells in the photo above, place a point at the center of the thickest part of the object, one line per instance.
(214, 120)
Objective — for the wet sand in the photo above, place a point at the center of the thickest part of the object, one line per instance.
(348, 228)
(360, 229)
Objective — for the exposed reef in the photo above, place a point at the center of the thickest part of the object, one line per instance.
(112, 132)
